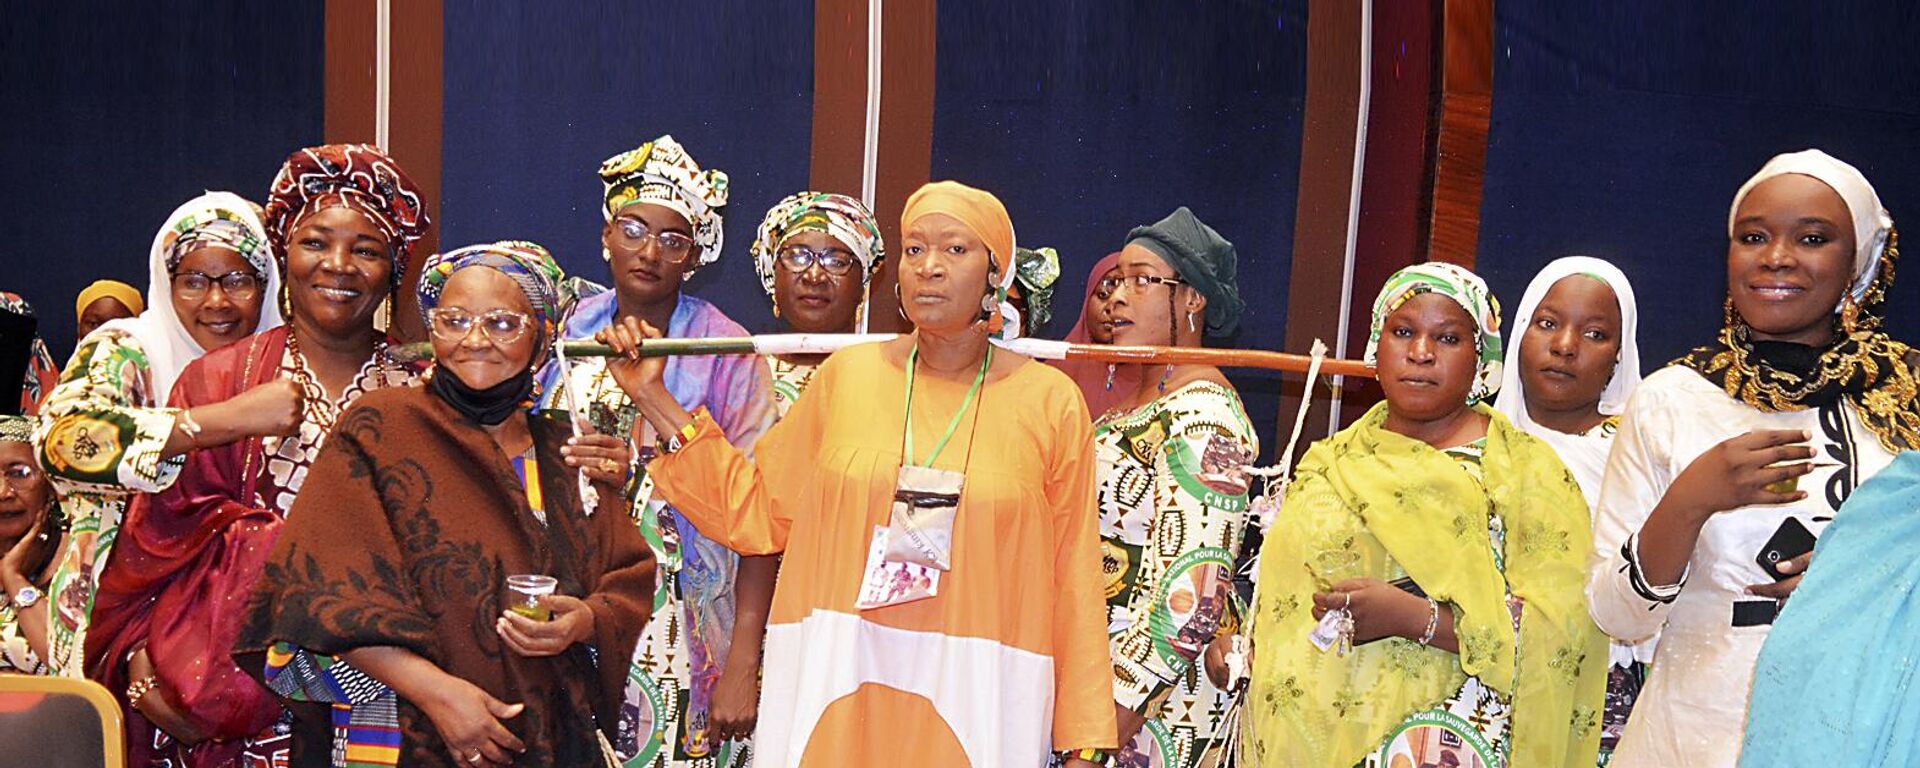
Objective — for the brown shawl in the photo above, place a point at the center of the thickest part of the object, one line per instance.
(411, 521)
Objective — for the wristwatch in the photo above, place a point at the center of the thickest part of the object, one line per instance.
(26, 597)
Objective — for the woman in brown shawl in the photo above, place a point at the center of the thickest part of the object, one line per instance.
(423, 502)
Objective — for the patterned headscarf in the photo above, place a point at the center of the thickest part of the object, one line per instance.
(1037, 270)
(209, 226)
(17, 429)
(127, 295)
(843, 218)
(358, 177)
(661, 172)
(1464, 288)
(530, 267)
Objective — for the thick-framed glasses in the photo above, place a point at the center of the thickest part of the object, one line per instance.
(799, 258)
(501, 326)
(194, 285)
(21, 476)
(1136, 282)
(633, 234)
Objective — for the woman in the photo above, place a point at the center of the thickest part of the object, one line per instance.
(30, 532)
(41, 370)
(1101, 385)
(663, 221)
(805, 252)
(400, 568)
(1566, 380)
(1172, 484)
(1419, 595)
(108, 434)
(103, 301)
(1729, 462)
(990, 649)
(340, 219)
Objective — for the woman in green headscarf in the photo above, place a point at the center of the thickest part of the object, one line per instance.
(1420, 594)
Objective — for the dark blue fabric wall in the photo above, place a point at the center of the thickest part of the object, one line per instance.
(1088, 118)
(1622, 130)
(121, 115)
(536, 99)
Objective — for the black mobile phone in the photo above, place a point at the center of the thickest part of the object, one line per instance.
(1790, 540)
(1405, 584)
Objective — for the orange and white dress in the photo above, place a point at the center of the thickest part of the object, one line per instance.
(1008, 662)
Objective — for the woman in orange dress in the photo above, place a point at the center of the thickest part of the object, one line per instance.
(996, 653)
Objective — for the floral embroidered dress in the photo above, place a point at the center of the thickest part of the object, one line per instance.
(1173, 507)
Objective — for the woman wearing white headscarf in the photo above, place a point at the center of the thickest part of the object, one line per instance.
(1574, 360)
(107, 436)
(1729, 462)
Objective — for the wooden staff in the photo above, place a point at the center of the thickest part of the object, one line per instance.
(1040, 349)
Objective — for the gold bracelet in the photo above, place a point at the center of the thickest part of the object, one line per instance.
(138, 690)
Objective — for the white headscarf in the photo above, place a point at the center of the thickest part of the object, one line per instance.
(1871, 222)
(161, 335)
(1585, 455)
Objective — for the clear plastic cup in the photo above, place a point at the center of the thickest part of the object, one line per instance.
(524, 592)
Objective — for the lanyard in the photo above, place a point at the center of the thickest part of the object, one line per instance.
(913, 361)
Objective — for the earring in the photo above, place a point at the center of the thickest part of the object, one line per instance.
(1110, 367)
(1191, 325)
(1849, 315)
(899, 305)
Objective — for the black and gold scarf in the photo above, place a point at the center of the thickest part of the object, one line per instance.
(1861, 364)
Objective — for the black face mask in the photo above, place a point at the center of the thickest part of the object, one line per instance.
(486, 407)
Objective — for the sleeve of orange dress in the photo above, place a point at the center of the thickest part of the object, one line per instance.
(740, 501)
(1083, 713)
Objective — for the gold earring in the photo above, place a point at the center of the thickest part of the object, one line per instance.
(1849, 315)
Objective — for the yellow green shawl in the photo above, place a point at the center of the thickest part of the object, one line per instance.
(1369, 502)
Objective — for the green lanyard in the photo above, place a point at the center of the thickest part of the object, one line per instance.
(913, 361)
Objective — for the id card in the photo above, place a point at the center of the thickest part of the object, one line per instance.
(889, 582)
(925, 501)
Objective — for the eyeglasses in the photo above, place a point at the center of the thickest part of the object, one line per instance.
(1109, 286)
(501, 326)
(193, 285)
(799, 258)
(633, 234)
(20, 476)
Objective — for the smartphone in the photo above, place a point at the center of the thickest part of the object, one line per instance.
(1405, 584)
(1790, 540)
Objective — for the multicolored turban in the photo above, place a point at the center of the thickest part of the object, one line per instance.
(843, 218)
(1463, 288)
(530, 267)
(358, 177)
(661, 172)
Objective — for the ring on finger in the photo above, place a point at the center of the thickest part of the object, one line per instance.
(475, 757)
(609, 465)
(1349, 603)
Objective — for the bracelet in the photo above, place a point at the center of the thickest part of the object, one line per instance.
(184, 420)
(674, 442)
(139, 690)
(1433, 622)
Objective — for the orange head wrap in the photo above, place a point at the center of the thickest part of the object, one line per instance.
(976, 209)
